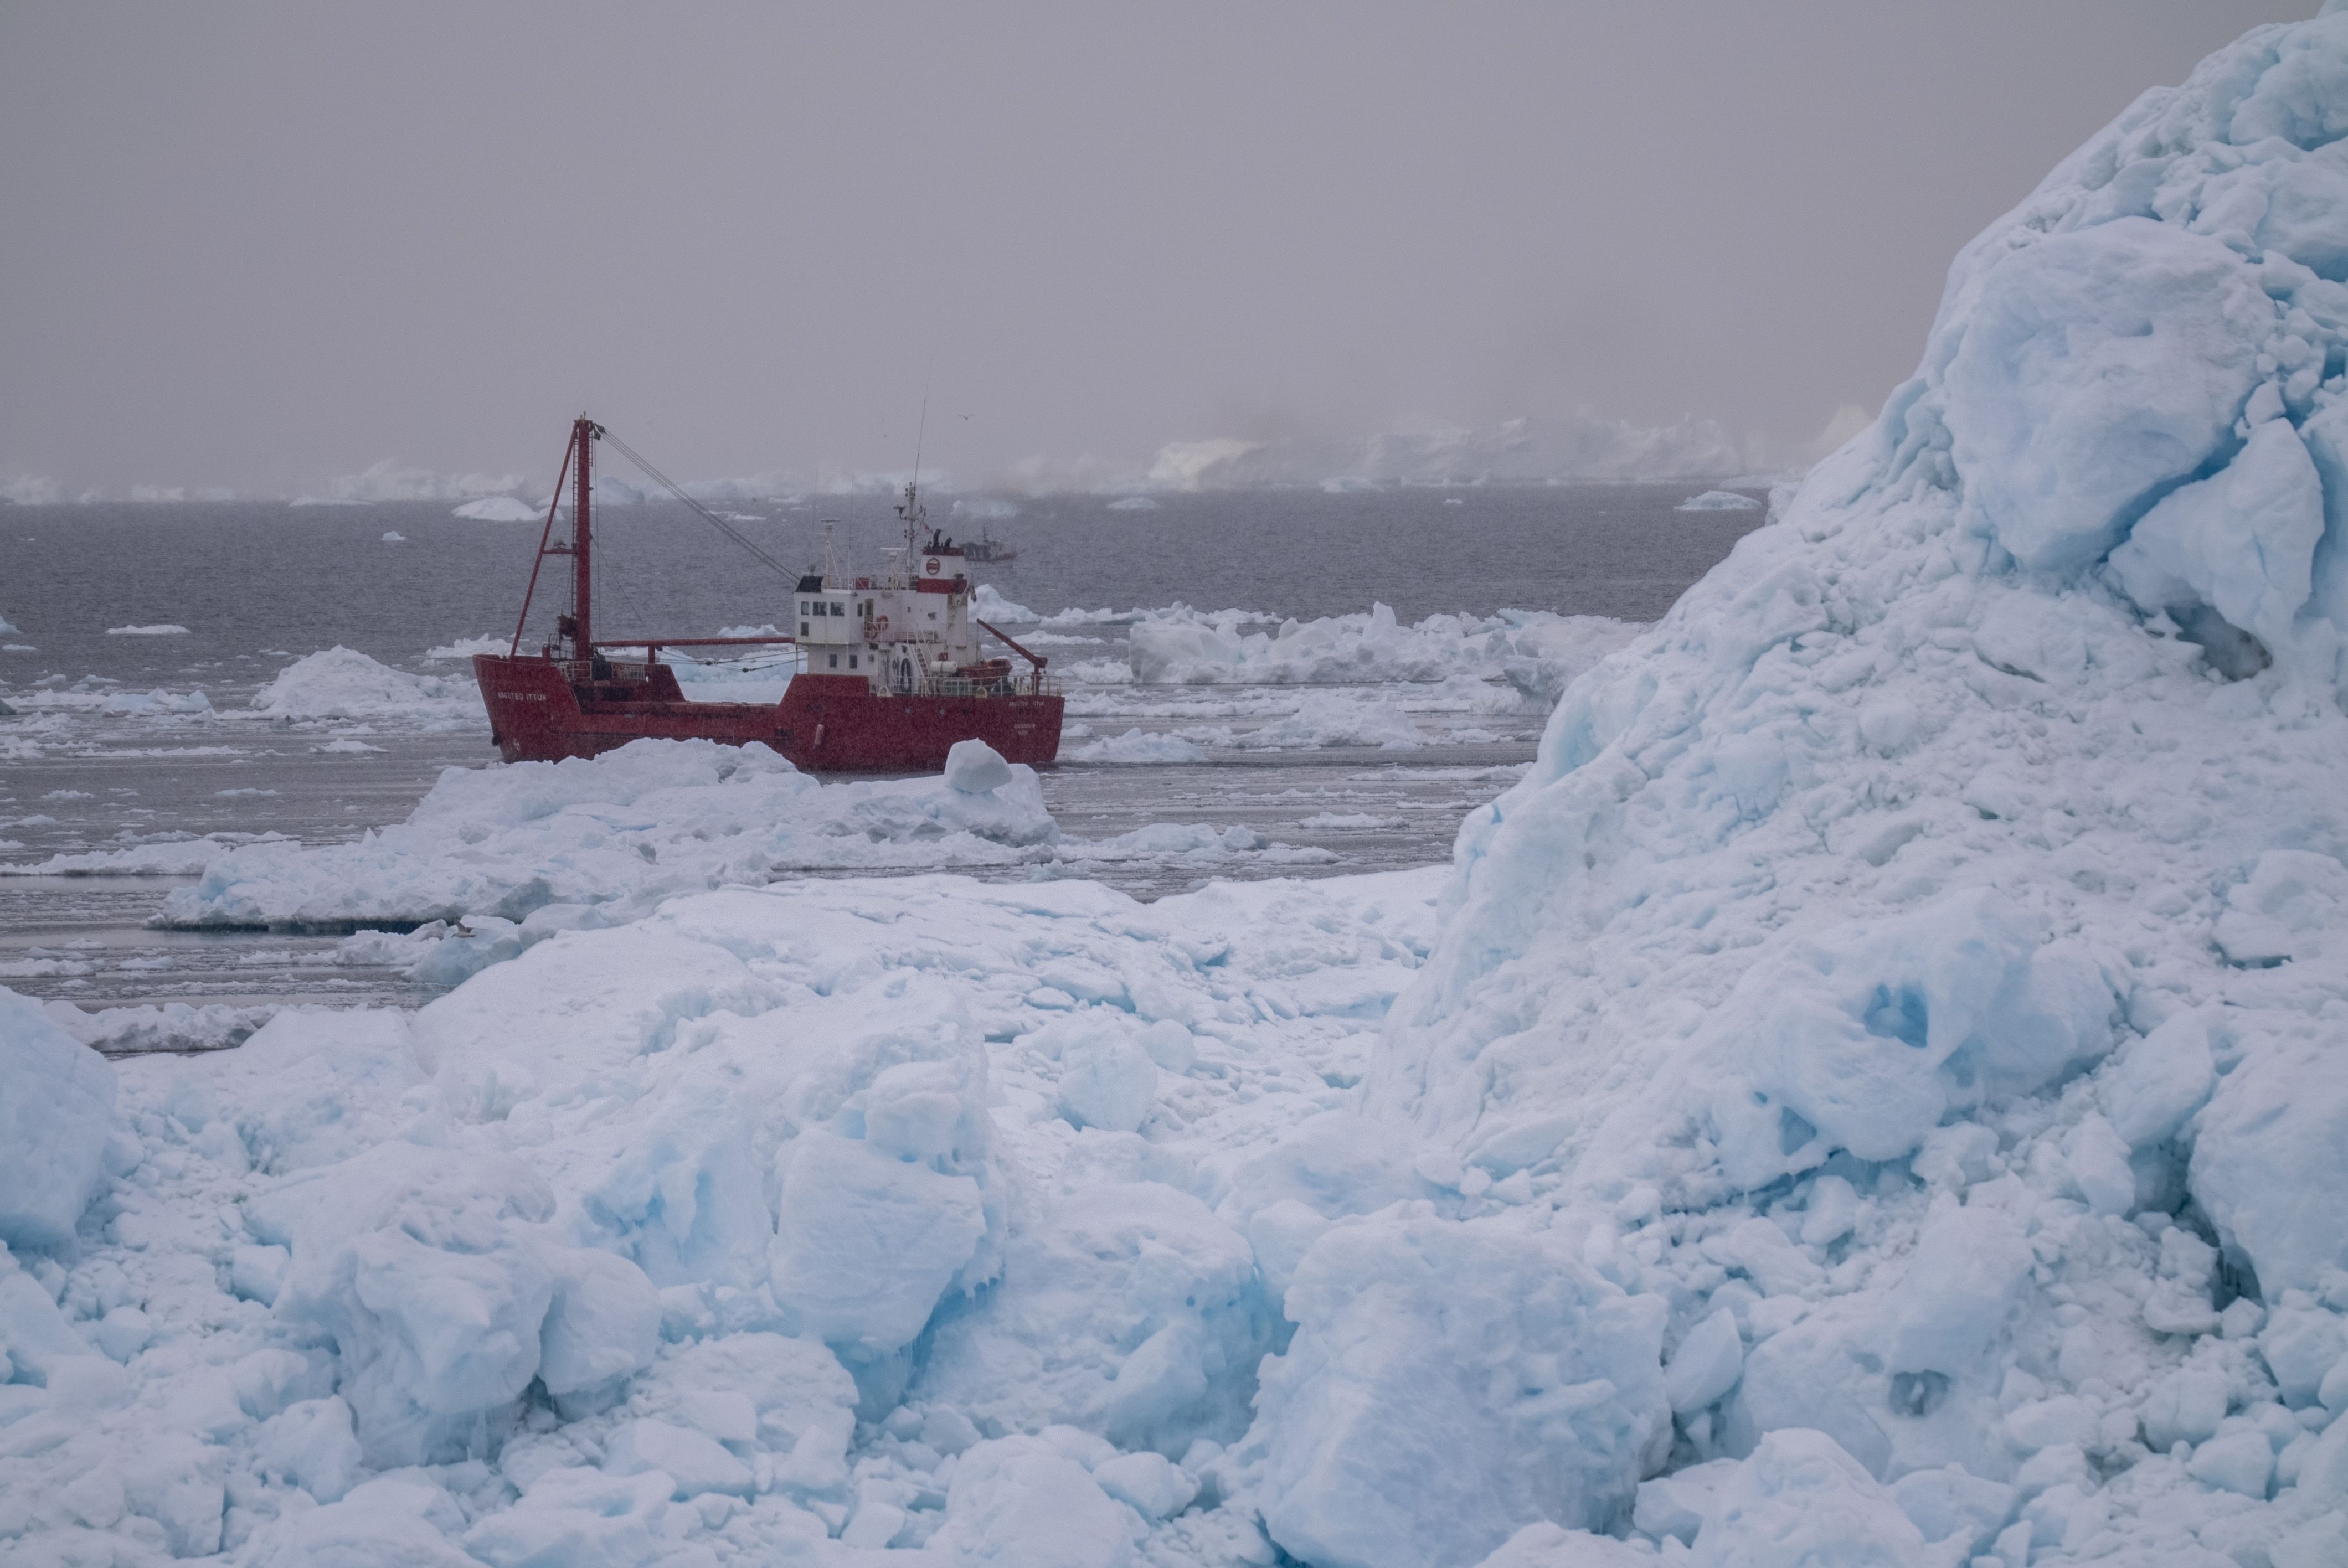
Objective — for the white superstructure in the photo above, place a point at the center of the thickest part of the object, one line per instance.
(907, 629)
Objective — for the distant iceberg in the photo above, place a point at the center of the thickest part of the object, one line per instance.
(501, 510)
(1526, 451)
(163, 630)
(391, 480)
(1718, 501)
(31, 490)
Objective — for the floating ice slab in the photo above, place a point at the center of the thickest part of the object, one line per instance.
(1718, 501)
(344, 683)
(525, 850)
(500, 510)
(1536, 650)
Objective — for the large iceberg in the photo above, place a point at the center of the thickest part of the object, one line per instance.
(1925, 945)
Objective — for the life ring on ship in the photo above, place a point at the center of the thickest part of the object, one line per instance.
(932, 567)
(880, 623)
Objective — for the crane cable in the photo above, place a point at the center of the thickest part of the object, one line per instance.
(711, 518)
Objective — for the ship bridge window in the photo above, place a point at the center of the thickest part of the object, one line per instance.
(835, 661)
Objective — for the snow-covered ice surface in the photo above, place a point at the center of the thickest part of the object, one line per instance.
(602, 841)
(1872, 1093)
(1541, 652)
(1922, 951)
(766, 1223)
(344, 683)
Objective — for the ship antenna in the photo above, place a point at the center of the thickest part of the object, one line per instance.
(912, 488)
(920, 432)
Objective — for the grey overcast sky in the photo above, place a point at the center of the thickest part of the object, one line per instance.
(259, 245)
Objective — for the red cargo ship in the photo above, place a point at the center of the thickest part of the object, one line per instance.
(889, 671)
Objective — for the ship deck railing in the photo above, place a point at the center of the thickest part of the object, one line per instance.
(961, 686)
(633, 671)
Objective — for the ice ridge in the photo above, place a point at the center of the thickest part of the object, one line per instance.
(1925, 945)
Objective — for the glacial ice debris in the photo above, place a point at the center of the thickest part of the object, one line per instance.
(1448, 1383)
(1718, 501)
(57, 1110)
(640, 1221)
(647, 821)
(341, 682)
(1923, 944)
(1536, 650)
(500, 510)
(504, 856)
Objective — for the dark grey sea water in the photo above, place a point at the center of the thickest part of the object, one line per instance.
(244, 578)
(259, 585)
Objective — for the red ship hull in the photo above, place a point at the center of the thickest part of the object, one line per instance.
(823, 723)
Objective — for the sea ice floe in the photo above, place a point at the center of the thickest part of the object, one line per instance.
(516, 853)
(96, 695)
(1718, 501)
(1538, 651)
(467, 647)
(501, 510)
(344, 683)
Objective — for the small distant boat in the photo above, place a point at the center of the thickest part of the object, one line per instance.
(986, 549)
(888, 670)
